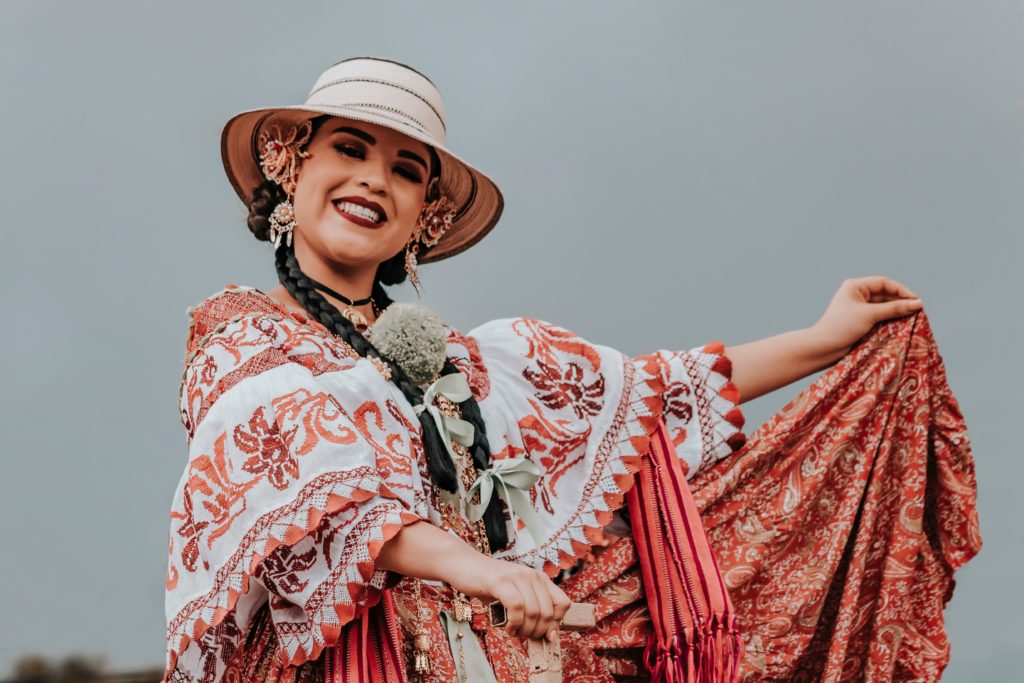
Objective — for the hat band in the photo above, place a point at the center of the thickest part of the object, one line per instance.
(378, 109)
(339, 81)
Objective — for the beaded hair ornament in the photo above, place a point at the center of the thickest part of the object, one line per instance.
(282, 153)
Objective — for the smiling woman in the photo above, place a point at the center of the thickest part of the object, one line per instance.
(373, 496)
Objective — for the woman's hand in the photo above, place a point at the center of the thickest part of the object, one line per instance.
(533, 604)
(857, 306)
(765, 365)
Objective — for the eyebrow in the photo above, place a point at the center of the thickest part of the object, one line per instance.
(369, 139)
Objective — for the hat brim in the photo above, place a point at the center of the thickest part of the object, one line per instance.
(479, 201)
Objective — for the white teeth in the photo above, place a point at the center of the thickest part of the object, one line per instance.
(359, 210)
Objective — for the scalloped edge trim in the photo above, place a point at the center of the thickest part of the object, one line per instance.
(631, 449)
(292, 535)
(628, 450)
(730, 392)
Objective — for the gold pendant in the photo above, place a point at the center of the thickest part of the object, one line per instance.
(357, 318)
(461, 608)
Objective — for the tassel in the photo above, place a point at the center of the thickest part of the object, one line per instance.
(421, 653)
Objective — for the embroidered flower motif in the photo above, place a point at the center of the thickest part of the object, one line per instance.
(569, 390)
(209, 371)
(190, 531)
(279, 571)
(270, 452)
(678, 402)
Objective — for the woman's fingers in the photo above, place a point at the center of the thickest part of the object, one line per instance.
(560, 604)
(894, 309)
(885, 286)
(531, 607)
(534, 606)
(546, 610)
(509, 595)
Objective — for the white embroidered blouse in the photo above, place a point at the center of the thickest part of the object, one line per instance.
(304, 460)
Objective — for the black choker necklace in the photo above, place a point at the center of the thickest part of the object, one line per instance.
(357, 318)
(340, 297)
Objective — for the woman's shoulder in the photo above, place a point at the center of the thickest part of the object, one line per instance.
(240, 334)
(231, 304)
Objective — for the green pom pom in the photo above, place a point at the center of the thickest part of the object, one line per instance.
(413, 336)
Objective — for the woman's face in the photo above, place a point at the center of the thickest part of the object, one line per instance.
(359, 193)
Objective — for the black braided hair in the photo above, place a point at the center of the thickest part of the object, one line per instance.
(392, 271)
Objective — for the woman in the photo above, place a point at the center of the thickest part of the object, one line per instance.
(360, 492)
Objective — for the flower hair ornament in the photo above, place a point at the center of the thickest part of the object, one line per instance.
(434, 221)
(281, 156)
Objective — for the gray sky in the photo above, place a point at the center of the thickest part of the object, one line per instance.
(674, 172)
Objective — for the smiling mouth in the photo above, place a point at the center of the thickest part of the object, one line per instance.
(360, 214)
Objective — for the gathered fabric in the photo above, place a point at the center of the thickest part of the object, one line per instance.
(821, 547)
(837, 528)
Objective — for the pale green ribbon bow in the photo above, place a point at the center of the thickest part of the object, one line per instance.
(455, 388)
(512, 478)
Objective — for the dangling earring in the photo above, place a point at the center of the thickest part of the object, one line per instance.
(280, 158)
(282, 223)
(434, 221)
(411, 249)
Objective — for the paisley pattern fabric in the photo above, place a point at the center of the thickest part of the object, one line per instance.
(838, 528)
(839, 525)
(304, 460)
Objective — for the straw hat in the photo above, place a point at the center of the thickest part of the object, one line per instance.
(390, 94)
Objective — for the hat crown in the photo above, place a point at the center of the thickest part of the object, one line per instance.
(385, 88)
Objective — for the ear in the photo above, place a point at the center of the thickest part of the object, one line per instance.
(433, 190)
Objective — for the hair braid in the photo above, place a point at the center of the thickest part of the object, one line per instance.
(298, 285)
(264, 199)
(494, 516)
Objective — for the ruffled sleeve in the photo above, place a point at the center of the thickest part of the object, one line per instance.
(700, 404)
(584, 414)
(302, 464)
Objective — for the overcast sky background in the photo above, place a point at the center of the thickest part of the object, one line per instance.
(674, 172)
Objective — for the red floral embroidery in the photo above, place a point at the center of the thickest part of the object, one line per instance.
(191, 530)
(223, 498)
(569, 389)
(279, 571)
(271, 456)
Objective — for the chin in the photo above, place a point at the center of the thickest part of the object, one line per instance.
(357, 253)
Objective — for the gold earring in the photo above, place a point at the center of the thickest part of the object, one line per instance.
(411, 249)
(434, 221)
(282, 223)
(436, 218)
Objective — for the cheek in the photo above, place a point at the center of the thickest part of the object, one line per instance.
(409, 208)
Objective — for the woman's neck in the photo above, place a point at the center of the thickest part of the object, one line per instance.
(353, 282)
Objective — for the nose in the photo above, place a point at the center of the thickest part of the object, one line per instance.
(374, 178)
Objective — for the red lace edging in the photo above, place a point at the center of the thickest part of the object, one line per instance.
(292, 535)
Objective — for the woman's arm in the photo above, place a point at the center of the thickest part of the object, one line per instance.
(534, 605)
(765, 365)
